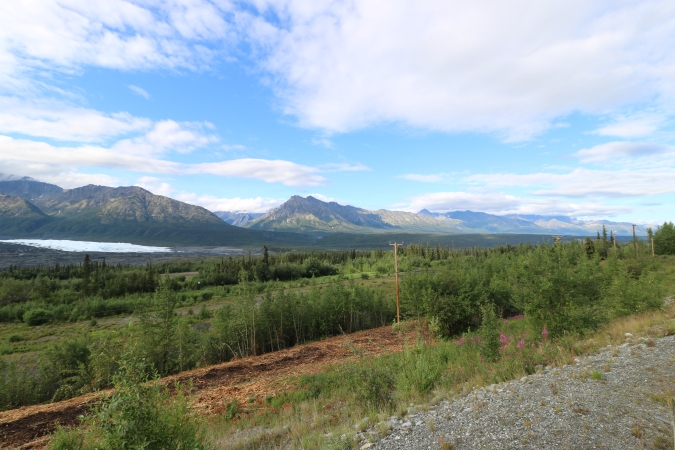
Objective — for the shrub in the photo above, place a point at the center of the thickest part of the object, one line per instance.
(664, 239)
(37, 316)
(139, 414)
(489, 333)
(375, 385)
(15, 338)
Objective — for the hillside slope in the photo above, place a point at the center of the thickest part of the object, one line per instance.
(18, 215)
(131, 214)
(316, 216)
(29, 189)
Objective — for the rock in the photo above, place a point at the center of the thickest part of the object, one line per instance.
(366, 446)
(628, 335)
(407, 424)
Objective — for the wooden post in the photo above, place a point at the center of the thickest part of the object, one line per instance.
(398, 305)
(634, 243)
(652, 247)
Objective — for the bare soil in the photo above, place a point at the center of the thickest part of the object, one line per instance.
(253, 377)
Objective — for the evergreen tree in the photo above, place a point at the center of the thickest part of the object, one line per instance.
(664, 239)
(589, 247)
(159, 328)
(86, 275)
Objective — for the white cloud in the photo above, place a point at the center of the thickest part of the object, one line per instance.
(61, 121)
(168, 135)
(118, 34)
(500, 203)
(622, 150)
(270, 171)
(431, 178)
(324, 198)
(510, 68)
(155, 185)
(140, 91)
(632, 127)
(325, 142)
(344, 167)
(28, 157)
(586, 183)
(256, 204)
(212, 203)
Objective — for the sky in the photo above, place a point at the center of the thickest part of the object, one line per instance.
(520, 107)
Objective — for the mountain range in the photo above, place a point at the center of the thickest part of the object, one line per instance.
(30, 208)
(311, 215)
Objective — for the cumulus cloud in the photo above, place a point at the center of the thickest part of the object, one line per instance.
(324, 198)
(140, 91)
(270, 171)
(589, 183)
(117, 34)
(430, 178)
(155, 185)
(40, 156)
(632, 127)
(62, 121)
(509, 68)
(500, 203)
(169, 135)
(160, 186)
(212, 203)
(344, 167)
(615, 150)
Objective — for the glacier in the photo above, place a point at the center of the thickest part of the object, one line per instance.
(85, 246)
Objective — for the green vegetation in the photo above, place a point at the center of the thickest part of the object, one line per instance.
(664, 239)
(138, 414)
(558, 292)
(373, 389)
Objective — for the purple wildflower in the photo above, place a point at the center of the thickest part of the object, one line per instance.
(545, 333)
(503, 340)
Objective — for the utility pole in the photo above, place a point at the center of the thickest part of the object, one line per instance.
(398, 305)
(652, 247)
(557, 238)
(634, 243)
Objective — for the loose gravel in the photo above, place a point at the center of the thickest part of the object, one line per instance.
(615, 399)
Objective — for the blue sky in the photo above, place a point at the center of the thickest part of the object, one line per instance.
(561, 107)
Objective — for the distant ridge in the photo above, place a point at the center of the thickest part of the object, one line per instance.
(237, 218)
(29, 189)
(311, 215)
(130, 213)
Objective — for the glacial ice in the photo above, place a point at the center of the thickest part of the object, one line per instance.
(84, 246)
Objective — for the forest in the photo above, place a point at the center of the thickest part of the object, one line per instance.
(276, 301)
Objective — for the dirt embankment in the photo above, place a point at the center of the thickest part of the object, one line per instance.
(256, 376)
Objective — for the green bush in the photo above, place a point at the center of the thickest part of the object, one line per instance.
(15, 338)
(664, 239)
(37, 316)
(375, 385)
(489, 333)
(139, 414)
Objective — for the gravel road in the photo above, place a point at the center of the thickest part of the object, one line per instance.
(612, 400)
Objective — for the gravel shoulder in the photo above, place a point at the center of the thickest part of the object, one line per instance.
(615, 399)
